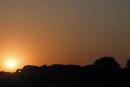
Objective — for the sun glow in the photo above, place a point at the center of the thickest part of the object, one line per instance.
(11, 63)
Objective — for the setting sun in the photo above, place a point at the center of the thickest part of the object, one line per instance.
(10, 63)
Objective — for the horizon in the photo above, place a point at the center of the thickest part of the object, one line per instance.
(13, 69)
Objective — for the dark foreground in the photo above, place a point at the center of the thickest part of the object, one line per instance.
(105, 72)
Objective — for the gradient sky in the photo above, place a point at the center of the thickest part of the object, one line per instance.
(64, 31)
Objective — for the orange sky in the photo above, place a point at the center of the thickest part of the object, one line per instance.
(64, 31)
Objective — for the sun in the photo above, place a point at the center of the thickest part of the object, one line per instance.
(10, 63)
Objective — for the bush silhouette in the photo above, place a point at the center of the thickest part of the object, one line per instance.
(107, 63)
(105, 72)
(128, 64)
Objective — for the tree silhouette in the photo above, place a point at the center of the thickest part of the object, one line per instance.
(107, 63)
(105, 72)
(128, 64)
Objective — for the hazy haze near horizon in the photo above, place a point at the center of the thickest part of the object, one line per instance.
(64, 31)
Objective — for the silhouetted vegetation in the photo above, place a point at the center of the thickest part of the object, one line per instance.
(105, 72)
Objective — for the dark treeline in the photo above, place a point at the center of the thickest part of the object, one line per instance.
(105, 72)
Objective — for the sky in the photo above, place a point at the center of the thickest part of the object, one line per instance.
(38, 32)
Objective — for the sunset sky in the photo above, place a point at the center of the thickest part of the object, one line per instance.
(37, 32)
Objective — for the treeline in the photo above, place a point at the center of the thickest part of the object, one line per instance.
(105, 72)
